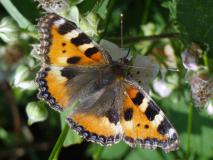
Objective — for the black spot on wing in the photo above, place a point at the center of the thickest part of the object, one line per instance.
(90, 51)
(73, 60)
(138, 98)
(82, 38)
(63, 44)
(146, 126)
(68, 73)
(66, 27)
(164, 127)
(151, 111)
(113, 116)
(128, 113)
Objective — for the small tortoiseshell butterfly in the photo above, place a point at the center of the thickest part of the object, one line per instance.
(112, 106)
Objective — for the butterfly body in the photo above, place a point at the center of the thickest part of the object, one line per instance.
(112, 106)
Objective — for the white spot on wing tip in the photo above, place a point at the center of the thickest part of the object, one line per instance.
(84, 47)
(59, 22)
(171, 132)
(143, 106)
(158, 119)
(72, 34)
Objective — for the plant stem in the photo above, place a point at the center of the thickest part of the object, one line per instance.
(146, 11)
(16, 15)
(189, 128)
(57, 148)
(205, 59)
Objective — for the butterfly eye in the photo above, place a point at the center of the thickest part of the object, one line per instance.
(124, 60)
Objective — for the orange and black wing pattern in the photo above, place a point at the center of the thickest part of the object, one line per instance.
(64, 47)
(111, 108)
(63, 44)
(144, 123)
(97, 119)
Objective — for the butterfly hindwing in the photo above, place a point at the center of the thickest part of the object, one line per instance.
(52, 87)
(60, 86)
(144, 123)
(97, 119)
(63, 44)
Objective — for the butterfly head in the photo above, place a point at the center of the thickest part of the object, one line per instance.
(118, 68)
(126, 59)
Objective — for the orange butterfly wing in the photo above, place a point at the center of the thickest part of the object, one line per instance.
(97, 119)
(144, 123)
(63, 44)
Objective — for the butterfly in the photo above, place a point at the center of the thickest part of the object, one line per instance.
(111, 105)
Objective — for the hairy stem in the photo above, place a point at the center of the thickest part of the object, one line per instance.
(57, 148)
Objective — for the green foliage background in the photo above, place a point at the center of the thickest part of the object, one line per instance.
(175, 22)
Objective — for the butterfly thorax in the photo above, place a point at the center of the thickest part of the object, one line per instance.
(118, 69)
(111, 74)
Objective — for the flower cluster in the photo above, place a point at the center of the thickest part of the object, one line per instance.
(53, 5)
(198, 76)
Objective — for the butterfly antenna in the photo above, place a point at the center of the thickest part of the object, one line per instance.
(125, 60)
(130, 66)
(121, 23)
(150, 67)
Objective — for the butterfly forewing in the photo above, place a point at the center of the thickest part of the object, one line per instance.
(63, 44)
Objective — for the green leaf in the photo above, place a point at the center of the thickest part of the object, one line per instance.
(36, 112)
(3, 133)
(20, 78)
(196, 21)
(87, 6)
(6, 137)
(17, 16)
(27, 85)
(74, 2)
(8, 30)
(22, 72)
(138, 154)
(115, 151)
(72, 138)
(73, 15)
(102, 8)
(89, 24)
(171, 5)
